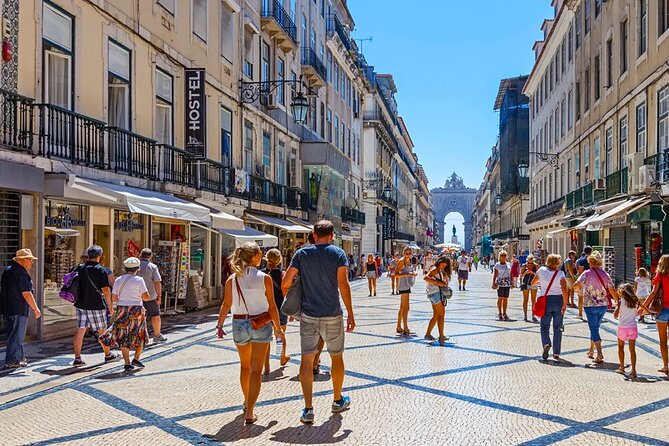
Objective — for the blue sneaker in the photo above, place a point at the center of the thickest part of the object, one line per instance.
(307, 416)
(342, 405)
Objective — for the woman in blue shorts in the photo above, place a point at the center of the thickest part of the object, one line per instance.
(437, 278)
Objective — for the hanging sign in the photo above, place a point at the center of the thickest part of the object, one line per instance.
(196, 112)
(133, 249)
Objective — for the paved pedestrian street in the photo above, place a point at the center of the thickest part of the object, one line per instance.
(487, 385)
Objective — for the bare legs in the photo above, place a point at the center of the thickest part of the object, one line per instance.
(371, 283)
(621, 356)
(526, 300)
(403, 315)
(662, 331)
(438, 314)
(307, 377)
(79, 340)
(284, 358)
(251, 358)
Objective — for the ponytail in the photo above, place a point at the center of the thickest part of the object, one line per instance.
(242, 257)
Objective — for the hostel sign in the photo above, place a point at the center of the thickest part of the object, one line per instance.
(196, 112)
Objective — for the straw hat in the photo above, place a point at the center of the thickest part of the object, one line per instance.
(24, 253)
(131, 262)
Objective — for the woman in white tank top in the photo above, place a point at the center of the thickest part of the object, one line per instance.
(250, 295)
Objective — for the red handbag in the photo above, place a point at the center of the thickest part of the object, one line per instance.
(539, 308)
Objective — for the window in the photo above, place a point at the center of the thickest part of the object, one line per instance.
(577, 29)
(200, 19)
(248, 148)
(570, 109)
(568, 175)
(265, 68)
(609, 65)
(663, 16)
(342, 88)
(329, 66)
(622, 135)
(598, 7)
(227, 32)
(641, 128)
(249, 57)
(336, 76)
(570, 43)
(624, 37)
(577, 102)
(57, 41)
(643, 27)
(587, 90)
(226, 137)
(563, 56)
(598, 77)
(550, 76)
(266, 153)
(597, 159)
(293, 10)
(336, 131)
(280, 175)
(663, 120)
(586, 160)
(305, 36)
(164, 107)
(280, 76)
(563, 117)
(609, 151)
(329, 120)
(168, 5)
(577, 164)
(586, 17)
(118, 91)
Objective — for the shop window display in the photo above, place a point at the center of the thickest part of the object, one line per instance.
(128, 238)
(170, 248)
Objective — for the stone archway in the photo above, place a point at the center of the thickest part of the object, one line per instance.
(454, 197)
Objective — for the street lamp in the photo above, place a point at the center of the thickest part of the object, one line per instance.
(411, 214)
(523, 169)
(299, 105)
(387, 192)
(299, 108)
(498, 199)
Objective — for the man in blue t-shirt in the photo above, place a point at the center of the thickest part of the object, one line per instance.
(582, 263)
(323, 269)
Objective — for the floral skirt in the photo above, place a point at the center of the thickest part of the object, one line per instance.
(128, 328)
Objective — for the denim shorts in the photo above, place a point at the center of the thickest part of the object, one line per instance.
(435, 298)
(663, 316)
(242, 333)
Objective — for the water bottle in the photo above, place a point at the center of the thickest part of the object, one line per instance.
(279, 346)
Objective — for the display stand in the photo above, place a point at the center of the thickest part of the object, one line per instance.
(609, 260)
(196, 295)
(166, 260)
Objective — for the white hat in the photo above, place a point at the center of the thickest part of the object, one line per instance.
(131, 262)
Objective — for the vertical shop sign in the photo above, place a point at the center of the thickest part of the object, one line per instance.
(196, 112)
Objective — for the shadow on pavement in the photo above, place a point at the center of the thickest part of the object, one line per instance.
(323, 434)
(557, 363)
(275, 375)
(602, 366)
(237, 430)
(321, 377)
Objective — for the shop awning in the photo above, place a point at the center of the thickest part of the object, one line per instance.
(299, 221)
(251, 235)
(622, 209)
(149, 202)
(219, 218)
(347, 237)
(280, 223)
(584, 223)
(551, 234)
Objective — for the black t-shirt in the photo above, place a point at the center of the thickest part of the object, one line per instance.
(15, 280)
(276, 276)
(90, 297)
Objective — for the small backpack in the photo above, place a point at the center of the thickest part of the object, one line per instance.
(70, 288)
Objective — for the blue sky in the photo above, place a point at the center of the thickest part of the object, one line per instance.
(447, 58)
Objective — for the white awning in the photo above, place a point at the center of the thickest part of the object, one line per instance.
(219, 218)
(148, 202)
(280, 223)
(624, 208)
(299, 221)
(551, 234)
(251, 235)
(584, 223)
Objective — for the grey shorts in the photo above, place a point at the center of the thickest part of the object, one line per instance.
(152, 308)
(463, 274)
(331, 329)
(93, 319)
(242, 333)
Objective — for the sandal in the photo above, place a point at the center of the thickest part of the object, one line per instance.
(599, 359)
(251, 420)
(590, 355)
(284, 360)
(664, 370)
(317, 370)
(398, 330)
(620, 371)
(632, 376)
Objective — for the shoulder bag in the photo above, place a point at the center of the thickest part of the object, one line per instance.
(445, 291)
(539, 308)
(657, 303)
(97, 290)
(609, 298)
(258, 321)
(292, 304)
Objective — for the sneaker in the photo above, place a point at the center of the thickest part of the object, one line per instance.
(111, 357)
(128, 367)
(137, 363)
(307, 416)
(159, 339)
(78, 362)
(342, 405)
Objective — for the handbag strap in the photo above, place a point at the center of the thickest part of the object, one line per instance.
(550, 284)
(241, 295)
(120, 290)
(600, 281)
(95, 287)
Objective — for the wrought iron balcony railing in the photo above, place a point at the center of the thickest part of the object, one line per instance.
(310, 58)
(274, 9)
(334, 26)
(16, 121)
(132, 154)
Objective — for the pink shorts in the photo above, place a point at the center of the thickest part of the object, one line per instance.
(628, 334)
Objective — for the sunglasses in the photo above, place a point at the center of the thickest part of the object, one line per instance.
(503, 255)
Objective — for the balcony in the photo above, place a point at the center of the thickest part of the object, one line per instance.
(213, 176)
(296, 199)
(132, 154)
(70, 136)
(16, 122)
(404, 236)
(587, 194)
(278, 24)
(335, 27)
(175, 165)
(548, 210)
(350, 215)
(313, 68)
(265, 191)
(616, 183)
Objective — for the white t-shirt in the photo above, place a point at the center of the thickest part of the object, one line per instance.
(129, 289)
(503, 275)
(626, 316)
(463, 263)
(545, 276)
(643, 288)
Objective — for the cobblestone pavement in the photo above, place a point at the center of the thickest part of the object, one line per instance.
(488, 385)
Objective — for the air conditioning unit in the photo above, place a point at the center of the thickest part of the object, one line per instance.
(634, 163)
(598, 184)
(266, 171)
(270, 101)
(647, 178)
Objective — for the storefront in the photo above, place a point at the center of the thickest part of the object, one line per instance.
(290, 235)
(130, 237)
(234, 238)
(648, 221)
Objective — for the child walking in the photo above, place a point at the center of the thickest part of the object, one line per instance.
(626, 313)
(642, 287)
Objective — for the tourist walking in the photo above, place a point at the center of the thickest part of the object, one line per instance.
(642, 288)
(628, 331)
(554, 290)
(569, 269)
(661, 289)
(527, 274)
(582, 264)
(476, 262)
(463, 270)
(392, 269)
(149, 272)
(515, 270)
(406, 276)
(322, 268)
(437, 278)
(371, 271)
(16, 302)
(273, 269)
(128, 327)
(596, 286)
(250, 294)
(93, 303)
(501, 281)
